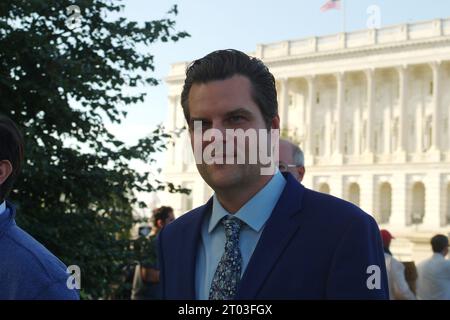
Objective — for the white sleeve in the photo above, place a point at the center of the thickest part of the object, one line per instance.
(400, 286)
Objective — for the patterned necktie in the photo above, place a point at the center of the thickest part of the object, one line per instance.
(228, 273)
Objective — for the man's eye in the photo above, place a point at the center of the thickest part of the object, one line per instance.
(202, 123)
(235, 119)
(205, 124)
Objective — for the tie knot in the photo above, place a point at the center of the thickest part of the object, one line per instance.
(232, 226)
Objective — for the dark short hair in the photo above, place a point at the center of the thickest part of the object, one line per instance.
(161, 213)
(222, 65)
(439, 243)
(11, 149)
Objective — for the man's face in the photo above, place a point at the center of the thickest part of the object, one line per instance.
(287, 163)
(160, 223)
(169, 218)
(5, 171)
(226, 104)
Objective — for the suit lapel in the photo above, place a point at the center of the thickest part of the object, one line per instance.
(279, 230)
(189, 242)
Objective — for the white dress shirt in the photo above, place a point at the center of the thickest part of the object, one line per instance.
(254, 214)
(2, 207)
(398, 287)
(434, 278)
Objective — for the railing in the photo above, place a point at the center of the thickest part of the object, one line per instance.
(351, 40)
(357, 39)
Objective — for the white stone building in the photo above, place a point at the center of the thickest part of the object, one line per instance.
(371, 110)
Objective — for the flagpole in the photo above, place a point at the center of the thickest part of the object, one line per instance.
(343, 16)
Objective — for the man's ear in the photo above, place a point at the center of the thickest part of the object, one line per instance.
(301, 172)
(5, 170)
(275, 122)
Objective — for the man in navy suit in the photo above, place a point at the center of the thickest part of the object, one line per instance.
(260, 236)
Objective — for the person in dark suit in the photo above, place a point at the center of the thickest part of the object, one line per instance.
(292, 159)
(260, 236)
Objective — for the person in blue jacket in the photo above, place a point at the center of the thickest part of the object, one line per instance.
(28, 271)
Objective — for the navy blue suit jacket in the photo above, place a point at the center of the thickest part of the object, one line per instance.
(314, 246)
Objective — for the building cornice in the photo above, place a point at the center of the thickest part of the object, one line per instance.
(369, 42)
(358, 52)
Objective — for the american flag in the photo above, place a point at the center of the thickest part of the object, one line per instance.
(331, 4)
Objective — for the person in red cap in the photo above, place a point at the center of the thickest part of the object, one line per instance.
(398, 287)
(386, 237)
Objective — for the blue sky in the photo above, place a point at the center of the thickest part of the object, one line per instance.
(215, 24)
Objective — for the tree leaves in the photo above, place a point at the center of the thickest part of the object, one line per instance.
(77, 190)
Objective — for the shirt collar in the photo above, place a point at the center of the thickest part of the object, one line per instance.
(257, 210)
(439, 256)
(2, 207)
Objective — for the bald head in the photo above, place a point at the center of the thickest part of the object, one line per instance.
(291, 159)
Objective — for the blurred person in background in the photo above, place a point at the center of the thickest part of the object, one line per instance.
(398, 286)
(434, 272)
(146, 275)
(292, 159)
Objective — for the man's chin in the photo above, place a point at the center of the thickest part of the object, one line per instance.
(223, 175)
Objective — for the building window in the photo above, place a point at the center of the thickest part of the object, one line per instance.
(384, 203)
(418, 203)
(375, 142)
(345, 144)
(446, 133)
(348, 145)
(448, 204)
(317, 145)
(354, 194)
(324, 188)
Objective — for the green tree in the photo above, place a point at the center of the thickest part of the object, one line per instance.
(76, 193)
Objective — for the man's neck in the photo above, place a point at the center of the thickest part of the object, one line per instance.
(232, 199)
(439, 254)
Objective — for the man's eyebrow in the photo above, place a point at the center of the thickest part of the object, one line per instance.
(239, 111)
(192, 119)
